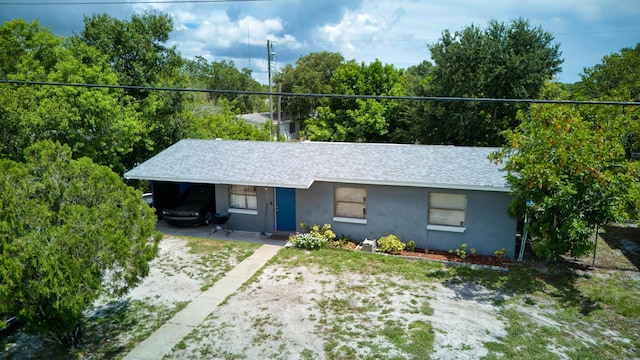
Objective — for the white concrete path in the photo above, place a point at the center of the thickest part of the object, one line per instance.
(168, 335)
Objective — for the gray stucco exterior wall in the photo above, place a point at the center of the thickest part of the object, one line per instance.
(403, 211)
(262, 220)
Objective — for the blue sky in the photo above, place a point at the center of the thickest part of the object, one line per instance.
(393, 31)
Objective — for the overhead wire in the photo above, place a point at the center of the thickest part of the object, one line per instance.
(334, 96)
(121, 2)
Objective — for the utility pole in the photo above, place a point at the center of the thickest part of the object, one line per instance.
(270, 87)
(279, 110)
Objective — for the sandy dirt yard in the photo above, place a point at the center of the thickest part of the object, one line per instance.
(286, 313)
(305, 312)
(290, 314)
(293, 311)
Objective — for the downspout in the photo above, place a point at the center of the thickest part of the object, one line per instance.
(426, 250)
(524, 238)
(266, 209)
(528, 204)
(595, 248)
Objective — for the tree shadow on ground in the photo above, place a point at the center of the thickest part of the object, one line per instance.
(101, 330)
(104, 327)
(530, 280)
(625, 240)
(619, 249)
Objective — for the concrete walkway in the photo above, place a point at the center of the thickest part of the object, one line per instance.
(168, 335)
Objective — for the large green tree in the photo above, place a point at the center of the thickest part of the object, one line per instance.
(501, 61)
(568, 174)
(135, 48)
(70, 230)
(615, 78)
(355, 119)
(137, 51)
(26, 45)
(417, 82)
(99, 123)
(311, 74)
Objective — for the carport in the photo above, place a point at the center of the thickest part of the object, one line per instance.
(172, 172)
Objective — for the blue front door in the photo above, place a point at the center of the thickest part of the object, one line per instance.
(285, 209)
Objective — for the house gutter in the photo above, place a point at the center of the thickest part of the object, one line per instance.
(308, 184)
(219, 182)
(415, 184)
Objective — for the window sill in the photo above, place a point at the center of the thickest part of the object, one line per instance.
(349, 220)
(243, 211)
(455, 229)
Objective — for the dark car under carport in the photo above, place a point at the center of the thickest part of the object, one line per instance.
(195, 207)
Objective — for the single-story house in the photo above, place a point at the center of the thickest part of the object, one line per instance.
(438, 196)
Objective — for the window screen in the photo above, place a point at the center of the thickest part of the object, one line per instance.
(447, 209)
(351, 202)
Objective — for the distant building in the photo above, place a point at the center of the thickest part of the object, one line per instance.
(289, 128)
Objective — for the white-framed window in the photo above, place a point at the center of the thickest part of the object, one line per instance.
(243, 197)
(350, 204)
(447, 210)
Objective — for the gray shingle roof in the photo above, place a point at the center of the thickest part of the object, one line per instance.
(299, 164)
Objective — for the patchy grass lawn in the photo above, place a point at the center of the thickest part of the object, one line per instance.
(338, 304)
(216, 258)
(563, 313)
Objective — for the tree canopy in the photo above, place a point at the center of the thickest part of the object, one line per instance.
(135, 48)
(574, 165)
(359, 119)
(573, 174)
(70, 230)
(99, 123)
(616, 78)
(312, 74)
(223, 75)
(501, 61)
(137, 52)
(114, 127)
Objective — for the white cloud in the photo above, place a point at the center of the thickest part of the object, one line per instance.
(393, 31)
(355, 32)
(217, 30)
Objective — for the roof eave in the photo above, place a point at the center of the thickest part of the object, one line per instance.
(323, 179)
(217, 182)
(418, 184)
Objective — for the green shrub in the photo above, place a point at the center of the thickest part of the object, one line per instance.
(462, 251)
(500, 253)
(344, 242)
(316, 230)
(390, 244)
(308, 241)
(411, 246)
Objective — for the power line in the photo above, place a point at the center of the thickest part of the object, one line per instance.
(334, 96)
(126, 2)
